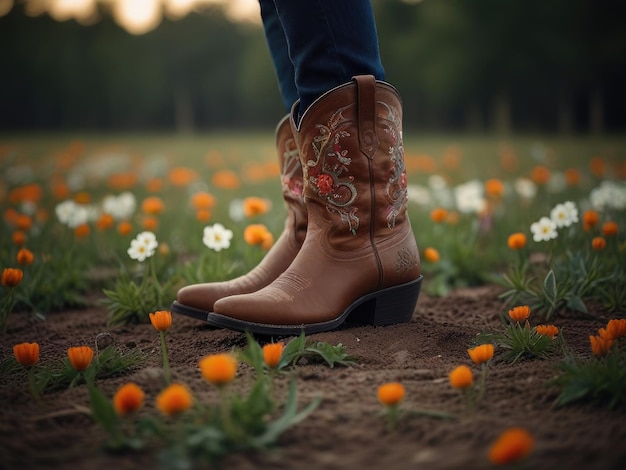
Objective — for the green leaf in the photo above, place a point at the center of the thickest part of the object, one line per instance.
(289, 418)
(330, 354)
(293, 351)
(549, 287)
(102, 409)
(576, 303)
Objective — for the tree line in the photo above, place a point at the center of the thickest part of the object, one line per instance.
(479, 66)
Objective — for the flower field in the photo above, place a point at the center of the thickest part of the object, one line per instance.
(515, 355)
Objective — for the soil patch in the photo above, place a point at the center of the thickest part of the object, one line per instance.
(347, 430)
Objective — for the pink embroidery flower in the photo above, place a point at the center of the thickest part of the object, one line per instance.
(325, 184)
(403, 181)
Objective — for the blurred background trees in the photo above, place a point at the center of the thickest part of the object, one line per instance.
(555, 66)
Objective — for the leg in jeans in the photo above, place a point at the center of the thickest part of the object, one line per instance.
(277, 44)
(329, 42)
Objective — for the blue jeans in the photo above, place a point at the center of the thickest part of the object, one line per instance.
(317, 45)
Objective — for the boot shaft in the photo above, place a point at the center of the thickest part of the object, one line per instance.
(291, 179)
(352, 156)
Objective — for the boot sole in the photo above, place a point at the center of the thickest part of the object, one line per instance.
(384, 307)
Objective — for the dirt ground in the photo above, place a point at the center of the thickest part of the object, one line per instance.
(347, 430)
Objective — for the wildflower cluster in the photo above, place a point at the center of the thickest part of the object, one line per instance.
(601, 377)
(128, 301)
(520, 340)
(82, 364)
(577, 264)
(192, 430)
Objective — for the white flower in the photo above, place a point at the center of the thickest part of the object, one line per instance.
(121, 207)
(235, 210)
(470, 197)
(564, 215)
(526, 188)
(608, 195)
(72, 214)
(217, 237)
(543, 230)
(437, 182)
(143, 246)
(418, 195)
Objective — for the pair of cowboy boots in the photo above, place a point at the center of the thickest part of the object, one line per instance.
(347, 251)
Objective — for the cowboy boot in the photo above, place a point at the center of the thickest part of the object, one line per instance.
(359, 258)
(197, 300)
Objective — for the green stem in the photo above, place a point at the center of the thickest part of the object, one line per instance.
(32, 384)
(483, 382)
(166, 362)
(7, 306)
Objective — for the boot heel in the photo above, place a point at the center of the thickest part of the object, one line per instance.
(388, 306)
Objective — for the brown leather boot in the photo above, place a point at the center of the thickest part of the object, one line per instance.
(197, 300)
(359, 258)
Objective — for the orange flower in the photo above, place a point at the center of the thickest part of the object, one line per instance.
(122, 180)
(431, 255)
(590, 219)
(27, 193)
(154, 185)
(508, 159)
(438, 215)
(161, 320)
(600, 346)
(598, 243)
(452, 158)
(60, 190)
(481, 353)
(453, 218)
(572, 177)
(494, 188)
(547, 330)
(152, 205)
(218, 369)
(19, 238)
(516, 241)
(610, 229)
(596, 166)
(519, 313)
(173, 400)
(128, 398)
(202, 201)
(124, 228)
(150, 223)
(82, 231)
(203, 215)
(80, 357)
(181, 176)
(512, 445)
(27, 354)
(82, 198)
(540, 174)
(615, 329)
(105, 222)
(391, 393)
(272, 352)
(25, 256)
(226, 179)
(461, 377)
(24, 222)
(257, 234)
(11, 277)
(253, 206)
